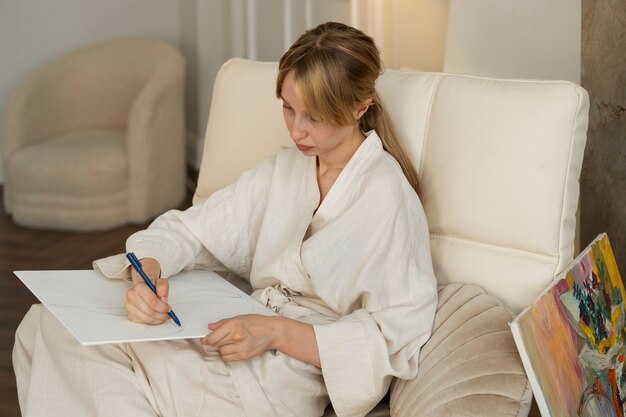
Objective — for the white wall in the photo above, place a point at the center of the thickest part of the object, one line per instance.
(515, 38)
(410, 34)
(214, 47)
(500, 38)
(418, 33)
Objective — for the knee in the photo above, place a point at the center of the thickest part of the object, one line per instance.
(25, 337)
(27, 330)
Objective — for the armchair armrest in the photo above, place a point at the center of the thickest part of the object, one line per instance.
(30, 112)
(470, 366)
(156, 139)
(24, 120)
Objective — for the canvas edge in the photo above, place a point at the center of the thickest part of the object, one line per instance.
(530, 371)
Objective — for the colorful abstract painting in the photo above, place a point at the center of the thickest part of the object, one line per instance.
(572, 339)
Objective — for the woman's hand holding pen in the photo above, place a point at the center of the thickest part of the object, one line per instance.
(143, 305)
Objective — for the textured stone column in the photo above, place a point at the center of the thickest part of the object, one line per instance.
(603, 182)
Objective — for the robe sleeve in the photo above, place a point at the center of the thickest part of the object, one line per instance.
(219, 234)
(379, 277)
(358, 355)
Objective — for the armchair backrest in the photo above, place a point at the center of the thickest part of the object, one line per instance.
(499, 162)
(93, 87)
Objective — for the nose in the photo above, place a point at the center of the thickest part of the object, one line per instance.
(296, 131)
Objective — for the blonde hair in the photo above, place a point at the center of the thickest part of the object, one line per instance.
(335, 70)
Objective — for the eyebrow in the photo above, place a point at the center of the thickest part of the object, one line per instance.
(283, 99)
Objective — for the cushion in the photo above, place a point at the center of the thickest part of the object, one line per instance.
(77, 163)
(470, 366)
(80, 182)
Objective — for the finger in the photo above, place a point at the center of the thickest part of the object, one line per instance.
(134, 299)
(138, 316)
(212, 337)
(138, 310)
(231, 352)
(219, 337)
(230, 349)
(218, 340)
(135, 276)
(216, 325)
(210, 340)
(163, 289)
(151, 301)
(232, 357)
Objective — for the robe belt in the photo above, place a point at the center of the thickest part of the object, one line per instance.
(277, 296)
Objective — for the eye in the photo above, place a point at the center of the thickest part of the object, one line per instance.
(311, 118)
(287, 107)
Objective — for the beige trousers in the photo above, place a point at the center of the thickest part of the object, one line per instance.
(56, 376)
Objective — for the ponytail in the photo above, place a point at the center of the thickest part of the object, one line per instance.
(376, 118)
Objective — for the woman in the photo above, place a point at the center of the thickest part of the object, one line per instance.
(331, 235)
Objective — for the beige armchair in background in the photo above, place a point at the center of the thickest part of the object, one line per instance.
(96, 138)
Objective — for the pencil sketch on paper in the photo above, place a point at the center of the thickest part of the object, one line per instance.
(91, 306)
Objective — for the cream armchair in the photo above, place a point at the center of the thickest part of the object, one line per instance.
(96, 138)
(500, 162)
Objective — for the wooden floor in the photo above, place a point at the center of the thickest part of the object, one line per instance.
(24, 249)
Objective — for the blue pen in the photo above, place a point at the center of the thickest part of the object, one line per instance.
(137, 265)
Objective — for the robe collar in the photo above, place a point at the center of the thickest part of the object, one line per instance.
(370, 148)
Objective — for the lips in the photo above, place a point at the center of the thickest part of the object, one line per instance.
(303, 148)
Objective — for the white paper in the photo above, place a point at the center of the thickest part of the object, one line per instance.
(91, 306)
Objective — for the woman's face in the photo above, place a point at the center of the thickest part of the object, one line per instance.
(314, 138)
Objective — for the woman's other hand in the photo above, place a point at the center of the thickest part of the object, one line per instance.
(142, 304)
(242, 337)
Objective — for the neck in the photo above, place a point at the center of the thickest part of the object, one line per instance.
(339, 159)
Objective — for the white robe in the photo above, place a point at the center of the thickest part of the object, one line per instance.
(358, 269)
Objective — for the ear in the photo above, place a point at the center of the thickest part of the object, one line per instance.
(360, 111)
